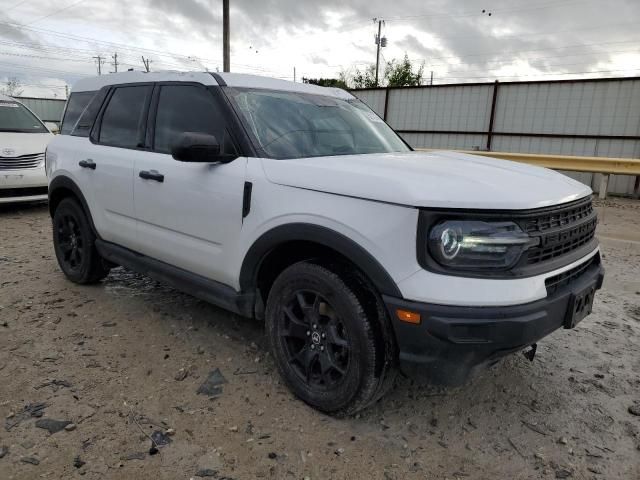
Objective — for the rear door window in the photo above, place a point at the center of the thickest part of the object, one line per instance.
(123, 121)
(75, 106)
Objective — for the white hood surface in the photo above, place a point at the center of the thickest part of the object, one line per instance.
(430, 179)
(23, 143)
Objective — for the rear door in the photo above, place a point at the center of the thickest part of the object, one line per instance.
(117, 139)
(189, 214)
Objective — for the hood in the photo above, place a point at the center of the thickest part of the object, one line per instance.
(23, 143)
(430, 179)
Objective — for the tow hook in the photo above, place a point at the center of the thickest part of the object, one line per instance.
(531, 353)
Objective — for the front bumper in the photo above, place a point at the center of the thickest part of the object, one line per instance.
(26, 185)
(452, 341)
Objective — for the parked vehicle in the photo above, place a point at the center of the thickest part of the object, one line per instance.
(298, 205)
(23, 139)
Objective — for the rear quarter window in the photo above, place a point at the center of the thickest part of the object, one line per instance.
(88, 117)
(75, 106)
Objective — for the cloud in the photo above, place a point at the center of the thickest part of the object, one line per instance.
(318, 60)
(321, 38)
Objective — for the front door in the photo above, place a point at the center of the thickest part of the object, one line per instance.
(189, 214)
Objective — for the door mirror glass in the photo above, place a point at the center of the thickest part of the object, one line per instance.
(198, 147)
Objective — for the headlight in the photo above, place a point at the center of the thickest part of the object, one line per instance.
(469, 245)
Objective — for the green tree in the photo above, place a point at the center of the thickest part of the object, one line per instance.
(401, 74)
(365, 78)
(327, 82)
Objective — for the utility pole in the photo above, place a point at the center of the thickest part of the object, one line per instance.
(100, 61)
(115, 62)
(431, 78)
(380, 43)
(294, 74)
(226, 61)
(146, 63)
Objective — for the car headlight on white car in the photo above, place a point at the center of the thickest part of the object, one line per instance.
(471, 244)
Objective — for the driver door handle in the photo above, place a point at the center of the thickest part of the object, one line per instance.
(151, 175)
(88, 163)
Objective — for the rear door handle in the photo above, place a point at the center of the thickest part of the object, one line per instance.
(151, 175)
(88, 163)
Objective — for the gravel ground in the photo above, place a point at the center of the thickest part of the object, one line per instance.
(123, 361)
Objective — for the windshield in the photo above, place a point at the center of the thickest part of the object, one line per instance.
(299, 125)
(14, 117)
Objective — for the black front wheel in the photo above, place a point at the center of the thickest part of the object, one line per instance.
(74, 244)
(326, 339)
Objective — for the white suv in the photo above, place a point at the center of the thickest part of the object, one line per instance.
(298, 205)
(23, 139)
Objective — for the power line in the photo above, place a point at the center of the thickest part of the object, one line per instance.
(590, 72)
(126, 47)
(477, 13)
(537, 59)
(49, 70)
(479, 54)
(56, 12)
(15, 6)
(43, 57)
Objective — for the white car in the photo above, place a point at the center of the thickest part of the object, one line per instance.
(23, 140)
(297, 205)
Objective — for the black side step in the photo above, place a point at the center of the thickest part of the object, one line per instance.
(203, 288)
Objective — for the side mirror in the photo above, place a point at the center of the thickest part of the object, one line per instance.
(52, 126)
(199, 147)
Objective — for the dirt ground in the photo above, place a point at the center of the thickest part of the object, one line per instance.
(125, 359)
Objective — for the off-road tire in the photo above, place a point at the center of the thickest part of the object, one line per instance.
(74, 244)
(370, 369)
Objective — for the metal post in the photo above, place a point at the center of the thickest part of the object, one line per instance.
(492, 115)
(378, 50)
(226, 61)
(386, 104)
(604, 185)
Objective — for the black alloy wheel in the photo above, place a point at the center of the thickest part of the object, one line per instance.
(315, 339)
(70, 241)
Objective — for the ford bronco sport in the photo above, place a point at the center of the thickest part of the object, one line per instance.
(298, 205)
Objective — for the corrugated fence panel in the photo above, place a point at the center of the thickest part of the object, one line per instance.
(373, 98)
(445, 141)
(464, 108)
(573, 108)
(47, 109)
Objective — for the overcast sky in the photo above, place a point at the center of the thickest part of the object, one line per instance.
(46, 44)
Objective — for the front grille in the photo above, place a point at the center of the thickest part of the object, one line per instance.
(559, 218)
(560, 280)
(561, 230)
(22, 192)
(21, 162)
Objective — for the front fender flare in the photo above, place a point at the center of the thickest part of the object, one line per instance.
(320, 235)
